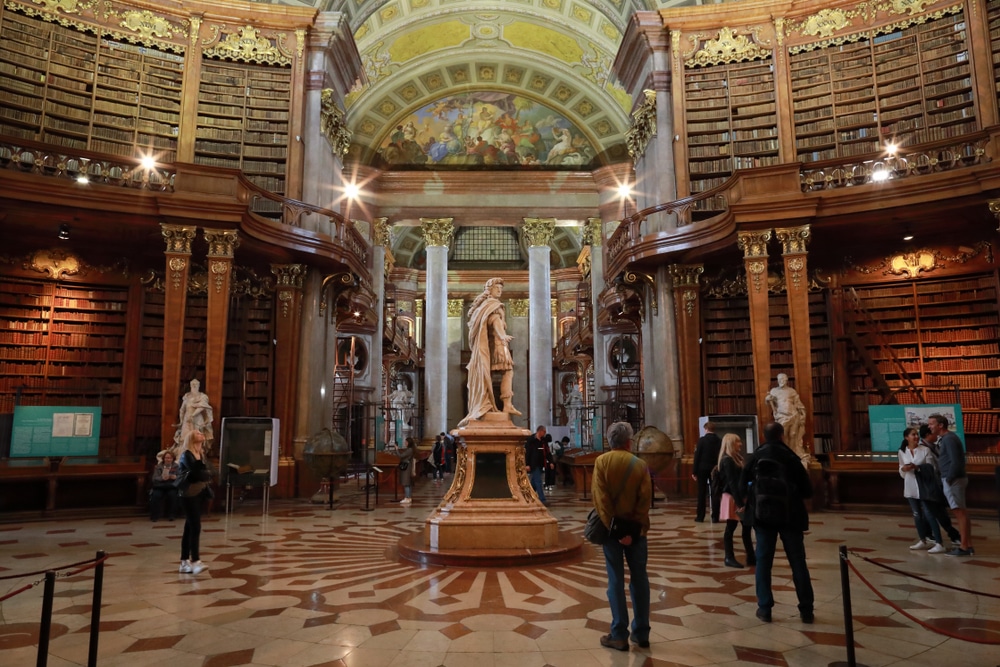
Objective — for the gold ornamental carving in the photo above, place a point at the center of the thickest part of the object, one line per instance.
(825, 22)
(418, 308)
(66, 6)
(689, 297)
(285, 298)
(438, 231)
(383, 232)
(517, 307)
(248, 45)
(178, 238)
(685, 275)
(728, 47)
(222, 242)
(593, 232)
(455, 307)
(923, 260)
(147, 24)
(754, 244)
(646, 281)
(793, 239)
(195, 30)
(994, 205)
(912, 7)
(642, 126)
(54, 263)
(796, 266)
(289, 275)
(332, 124)
(218, 269)
(912, 263)
(176, 266)
(756, 269)
(538, 231)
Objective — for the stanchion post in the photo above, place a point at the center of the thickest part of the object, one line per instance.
(845, 585)
(95, 610)
(45, 631)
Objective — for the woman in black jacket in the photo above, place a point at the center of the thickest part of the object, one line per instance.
(730, 468)
(196, 474)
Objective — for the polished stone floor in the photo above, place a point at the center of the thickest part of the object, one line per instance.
(310, 587)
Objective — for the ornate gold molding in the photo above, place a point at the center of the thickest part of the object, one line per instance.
(333, 124)
(54, 263)
(757, 269)
(796, 268)
(686, 274)
(517, 307)
(222, 242)
(727, 47)
(289, 279)
(593, 232)
(66, 6)
(793, 239)
(178, 238)
(177, 265)
(642, 126)
(994, 205)
(538, 231)
(218, 268)
(633, 278)
(249, 45)
(147, 24)
(923, 260)
(418, 308)
(754, 244)
(438, 231)
(383, 232)
(455, 307)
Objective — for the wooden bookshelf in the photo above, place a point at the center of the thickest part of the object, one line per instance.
(150, 367)
(821, 346)
(63, 345)
(993, 16)
(243, 120)
(249, 358)
(730, 120)
(945, 335)
(727, 357)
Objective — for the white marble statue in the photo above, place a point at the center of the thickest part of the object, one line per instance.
(196, 414)
(789, 411)
(401, 404)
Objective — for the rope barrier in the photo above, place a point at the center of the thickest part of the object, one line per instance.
(921, 623)
(86, 565)
(924, 579)
(26, 587)
(51, 569)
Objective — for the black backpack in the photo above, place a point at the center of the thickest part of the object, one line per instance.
(772, 494)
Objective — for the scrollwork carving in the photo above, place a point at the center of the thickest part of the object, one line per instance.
(178, 238)
(222, 242)
(728, 47)
(642, 126)
(249, 45)
(333, 124)
(793, 239)
(438, 231)
(754, 244)
(538, 231)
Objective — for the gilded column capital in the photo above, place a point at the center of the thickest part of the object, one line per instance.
(438, 231)
(222, 242)
(685, 275)
(793, 239)
(383, 232)
(178, 238)
(754, 244)
(538, 231)
(418, 307)
(593, 232)
(289, 275)
(455, 307)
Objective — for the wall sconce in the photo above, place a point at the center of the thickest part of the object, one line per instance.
(64, 232)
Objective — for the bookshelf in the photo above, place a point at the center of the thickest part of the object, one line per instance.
(728, 357)
(150, 367)
(993, 17)
(946, 336)
(243, 118)
(821, 346)
(780, 337)
(249, 358)
(63, 345)
(69, 88)
(731, 122)
(909, 86)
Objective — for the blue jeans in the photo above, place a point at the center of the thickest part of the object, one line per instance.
(536, 483)
(636, 554)
(923, 519)
(793, 542)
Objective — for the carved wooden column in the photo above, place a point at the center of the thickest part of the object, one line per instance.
(687, 310)
(793, 251)
(178, 261)
(190, 81)
(754, 247)
(288, 325)
(222, 244)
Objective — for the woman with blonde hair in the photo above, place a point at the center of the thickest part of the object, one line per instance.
(196, 474)
(730, 468)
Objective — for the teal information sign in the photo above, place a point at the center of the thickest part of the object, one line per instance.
(47, 430)
(887, 422)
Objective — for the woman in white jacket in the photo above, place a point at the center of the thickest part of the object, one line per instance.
(912, 454)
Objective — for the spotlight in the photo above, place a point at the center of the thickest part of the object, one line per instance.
(64, 232)
(82, 179)
(908, 237)
(147, 162)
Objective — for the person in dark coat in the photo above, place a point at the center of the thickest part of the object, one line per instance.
(706, 454)
(791, 528)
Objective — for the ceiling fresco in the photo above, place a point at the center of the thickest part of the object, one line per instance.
(556, 53)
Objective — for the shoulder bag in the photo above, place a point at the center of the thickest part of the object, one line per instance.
(595, 531)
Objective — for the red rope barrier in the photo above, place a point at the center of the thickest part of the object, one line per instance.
(924, 579)
(88, 566)
(19, 590)
(51, 569)
(923, 624)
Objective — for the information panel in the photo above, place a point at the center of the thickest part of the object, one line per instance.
(47, 430)
(887, 422)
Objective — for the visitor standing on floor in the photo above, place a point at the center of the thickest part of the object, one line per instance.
(622, 494)
(912, 455)
(536, 458)
(776, 484)
(939, 508)
(439, 458)
(951, 463)
(406, 463)
(706, 455)
(196, 474)
(731, 464)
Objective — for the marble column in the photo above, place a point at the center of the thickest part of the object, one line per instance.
(754, 247)
(178, 264)
(380, 268)
(793, 250)
(222, 244)
(438, 235)
(660, 373)
(538, 233)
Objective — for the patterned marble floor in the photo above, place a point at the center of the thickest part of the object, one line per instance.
(309, 587)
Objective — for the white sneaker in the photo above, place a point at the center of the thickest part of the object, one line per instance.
(197, 567)
(938, 548)
(405, 501)
(920, 545)
(185, 567)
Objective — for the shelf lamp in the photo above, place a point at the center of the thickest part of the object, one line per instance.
(64, 232)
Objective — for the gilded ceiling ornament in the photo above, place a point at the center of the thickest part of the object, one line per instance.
(67, 6)
(517, 307)
(54, 263)
(147, 24)
(825, 22)
(333, 125)
(538, 231)
(438, 231)
(793, 239)
(248, 45)
(754, 244)
(685, 274)
(728, 47)
(289, 275)
(455, 307)
(178, 238)
(911, 7)
(756, 269)
(383, 232)
(222, 242)
(642, 126)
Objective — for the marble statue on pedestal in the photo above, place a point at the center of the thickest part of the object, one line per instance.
(196, 414)
(789, 411)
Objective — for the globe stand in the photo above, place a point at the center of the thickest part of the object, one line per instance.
(326, 454)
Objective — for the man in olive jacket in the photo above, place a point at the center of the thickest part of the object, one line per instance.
(790, 520)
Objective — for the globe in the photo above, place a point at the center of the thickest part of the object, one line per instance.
(655, 448)
(326, 454)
